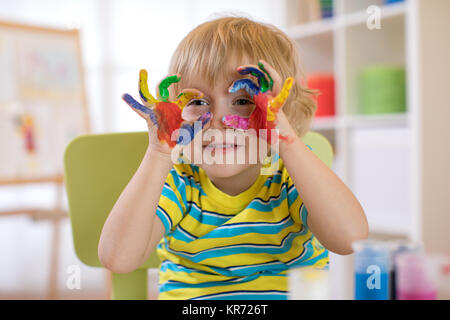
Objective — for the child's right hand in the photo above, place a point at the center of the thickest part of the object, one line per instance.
(164, 117)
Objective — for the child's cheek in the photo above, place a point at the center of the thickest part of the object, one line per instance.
(192, 113)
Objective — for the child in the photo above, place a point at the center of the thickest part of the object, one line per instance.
(225, 230)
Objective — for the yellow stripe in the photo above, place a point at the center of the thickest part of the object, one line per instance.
(262, 283)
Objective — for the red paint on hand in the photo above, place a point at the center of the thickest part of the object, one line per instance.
(171, 113)
(258, 118)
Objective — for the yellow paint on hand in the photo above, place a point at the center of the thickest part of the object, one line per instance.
(276, 103)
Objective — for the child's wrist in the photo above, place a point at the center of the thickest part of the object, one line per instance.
(157, 155)
(285, 131)
(289, 143)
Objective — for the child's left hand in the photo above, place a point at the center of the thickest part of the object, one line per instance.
(269, 97)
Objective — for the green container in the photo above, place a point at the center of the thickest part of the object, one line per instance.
(383, 90)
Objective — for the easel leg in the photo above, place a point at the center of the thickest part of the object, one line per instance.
(55, 246)
(54, 261)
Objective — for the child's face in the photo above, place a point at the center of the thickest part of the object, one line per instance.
(220, 150)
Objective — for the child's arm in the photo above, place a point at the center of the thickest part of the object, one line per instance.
(335, 216)
(132, 229)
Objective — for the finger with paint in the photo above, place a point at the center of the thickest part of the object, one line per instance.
(188, 131)
(166, 115)
(268, 101)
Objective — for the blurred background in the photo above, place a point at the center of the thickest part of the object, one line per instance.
(381, 67)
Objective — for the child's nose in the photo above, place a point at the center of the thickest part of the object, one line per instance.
(216, 122)
(218, 112)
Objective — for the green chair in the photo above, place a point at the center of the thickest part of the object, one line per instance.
(97, 169)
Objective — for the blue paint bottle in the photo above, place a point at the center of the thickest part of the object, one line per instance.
(372, 266)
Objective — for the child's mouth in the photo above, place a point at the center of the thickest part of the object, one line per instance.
(221, 147)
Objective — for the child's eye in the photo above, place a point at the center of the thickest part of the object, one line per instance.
(243, 102)
(197, 103)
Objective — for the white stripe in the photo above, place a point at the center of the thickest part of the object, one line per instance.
(292, 189)
(302, 255)
(186, 234)
(209, 296)
(213, 214)
(254, 265)
(267, 202)
(169, 221)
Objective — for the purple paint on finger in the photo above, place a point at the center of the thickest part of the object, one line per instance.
(192, 129)
(136, 105)
(205, 118)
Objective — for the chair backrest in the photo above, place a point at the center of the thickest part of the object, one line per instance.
(320, 146)
(97, 169)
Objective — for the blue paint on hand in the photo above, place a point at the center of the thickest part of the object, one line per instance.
(245, 84)
(136, 105)
(192, 129)
(260, 75)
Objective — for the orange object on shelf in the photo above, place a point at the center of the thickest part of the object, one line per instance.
(324, 83)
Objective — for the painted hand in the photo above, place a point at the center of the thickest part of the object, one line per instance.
(164, 114)
(268, 100)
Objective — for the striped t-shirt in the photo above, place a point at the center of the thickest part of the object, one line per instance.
(218, 246)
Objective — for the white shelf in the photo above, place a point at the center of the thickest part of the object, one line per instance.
(329, 25)
(361, 121)
(312, 28)
(386, 160)
(324, 123)
(374, 121)
(360, 17)
(343, 45)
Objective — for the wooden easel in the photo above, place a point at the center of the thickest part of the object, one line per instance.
(54, 216)
(57, 213)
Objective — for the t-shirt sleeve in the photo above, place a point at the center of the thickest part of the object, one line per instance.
(172, 203)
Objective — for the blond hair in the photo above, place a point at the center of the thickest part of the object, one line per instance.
(207, 49)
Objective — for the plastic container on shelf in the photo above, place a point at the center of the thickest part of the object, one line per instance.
(416, 276)
(444, 277)
(309, 283)
(399, 247)
(393, 1)
(324, 83)
(307, 11)
(382, 90)
(326, 8)
(372, 265)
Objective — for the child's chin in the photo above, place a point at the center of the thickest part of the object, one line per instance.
(224, 170)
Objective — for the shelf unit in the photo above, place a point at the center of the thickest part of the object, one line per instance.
(396, 164)
(343, 45)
